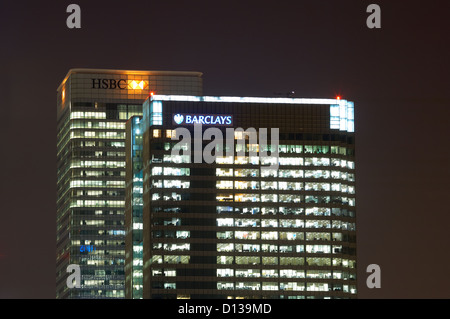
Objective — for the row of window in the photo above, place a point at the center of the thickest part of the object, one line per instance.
(284, 173)
(282, 148)
(254, 210)
(246, 147)
(287, 223)
(98, 212)
(96, 232)
(257, 260)
(82, 152)
(102, 242)
(98, 222)
(268, 273)
(273, 235)
(97, 125)
(265, 198)
(264, 160)
(97, 164)
(90, 143)
(255, 235)
(98, 193)
(263, 185)
(254, 222)
(97, 173)
(257, 160)
(97, 203)
(270, 286)
(288, 286)
(88, 115)
(292, 186)
(270, 173)
(254, 248)
(282, 273)
(97, 134)
(99, 253)
(122, 115)
(97, 183)
(101, 262)
(89, 293)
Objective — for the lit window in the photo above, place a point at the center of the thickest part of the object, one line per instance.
(170, 133)
(156, 133)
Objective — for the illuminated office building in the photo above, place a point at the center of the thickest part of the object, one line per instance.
(93, 106)
(270, 217)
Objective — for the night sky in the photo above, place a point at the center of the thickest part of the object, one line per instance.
(398, 77)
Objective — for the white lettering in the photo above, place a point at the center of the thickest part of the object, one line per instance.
(74, 20)
(73, 277)
(203, 119)
(374, 20)
(195, 309)
(374, 279)
(186, 140)
(208, 155)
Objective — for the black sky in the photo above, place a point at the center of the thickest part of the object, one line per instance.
(398, 77)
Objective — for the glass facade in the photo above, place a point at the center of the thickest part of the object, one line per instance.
(133, 207)
(238, 228)
(92, 195)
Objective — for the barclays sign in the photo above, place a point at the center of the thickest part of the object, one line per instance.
(191, 119)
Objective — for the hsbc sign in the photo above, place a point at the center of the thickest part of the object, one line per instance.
(121, 84)
(111, 84)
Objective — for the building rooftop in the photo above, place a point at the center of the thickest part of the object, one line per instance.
(134, 72)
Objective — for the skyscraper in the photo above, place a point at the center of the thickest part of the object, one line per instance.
(273, 215)
(93, 106)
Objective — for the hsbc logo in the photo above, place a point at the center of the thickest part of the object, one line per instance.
(121, 84)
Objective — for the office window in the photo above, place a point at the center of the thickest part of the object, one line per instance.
(156, 113)
(156, 133)
(225, 247)
(170, 133)
(291, 273)
(225, 260)
(269, 286)
(254, 273)
(270, 273)
(225, 286)
(227, 272)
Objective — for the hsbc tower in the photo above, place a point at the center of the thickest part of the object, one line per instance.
(93, 106)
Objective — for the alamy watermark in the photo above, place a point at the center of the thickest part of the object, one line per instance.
(374, 279)
(223, 146)
(74, 279)
(374, 19)
(73, 21)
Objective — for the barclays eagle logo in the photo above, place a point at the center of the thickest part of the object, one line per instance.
(178, 118)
